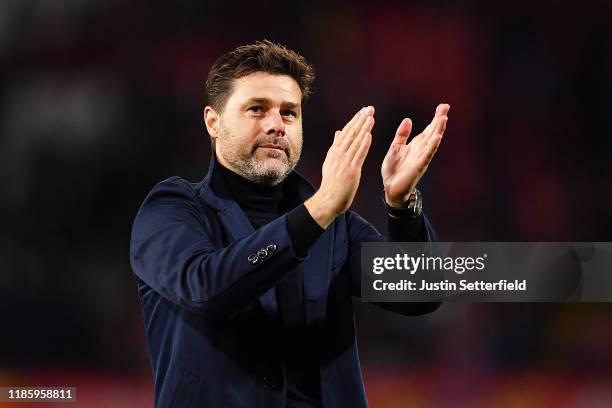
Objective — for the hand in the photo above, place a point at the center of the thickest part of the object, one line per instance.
(405, 164)
(342, 169)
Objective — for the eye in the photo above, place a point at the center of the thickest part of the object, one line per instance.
(289, 113)
(256, 109)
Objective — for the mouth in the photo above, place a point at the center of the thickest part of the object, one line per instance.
(270, 146)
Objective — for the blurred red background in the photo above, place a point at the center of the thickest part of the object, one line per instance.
(101, 100)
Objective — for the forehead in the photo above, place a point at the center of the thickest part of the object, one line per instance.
(278, 88)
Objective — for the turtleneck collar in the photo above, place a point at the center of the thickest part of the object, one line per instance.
(250, 196)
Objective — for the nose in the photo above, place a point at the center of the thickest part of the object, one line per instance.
(274, 123)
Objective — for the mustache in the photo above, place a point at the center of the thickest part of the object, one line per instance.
(276, 141)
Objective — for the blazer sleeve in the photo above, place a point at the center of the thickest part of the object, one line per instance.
(400, 229)
(172, 251)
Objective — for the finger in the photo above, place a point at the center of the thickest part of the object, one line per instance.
(337, 137)
(349, 124)
(441, 125)
(362, 151)
(367, 126)
(431, 148)
(403, 132)
(354, 118)
(358, 122)
(353, 131)
(440, 128)
(441, 110)
(358, 115)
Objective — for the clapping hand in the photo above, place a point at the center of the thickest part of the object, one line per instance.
(405, 164)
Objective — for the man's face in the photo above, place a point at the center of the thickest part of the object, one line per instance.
(260, 132)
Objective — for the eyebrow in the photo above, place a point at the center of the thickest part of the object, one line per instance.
(268, 101)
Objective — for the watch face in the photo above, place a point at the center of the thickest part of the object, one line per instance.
(416, 203)
(419, 208)
(413, 209)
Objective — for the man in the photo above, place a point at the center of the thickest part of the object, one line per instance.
(246, 277)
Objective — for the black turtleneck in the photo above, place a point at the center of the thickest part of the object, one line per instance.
(262, 204)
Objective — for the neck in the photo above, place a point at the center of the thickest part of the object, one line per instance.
(248, 194)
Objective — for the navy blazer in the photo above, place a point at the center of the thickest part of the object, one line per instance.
(209, 305)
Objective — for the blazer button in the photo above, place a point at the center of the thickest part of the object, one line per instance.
(271, 247)
(269, 383)
(262, 253)
(253, 259)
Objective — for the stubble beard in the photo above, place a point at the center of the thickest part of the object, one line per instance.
(258, 171)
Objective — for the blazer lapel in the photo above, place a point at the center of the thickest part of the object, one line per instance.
(235, 222)
(237, 225)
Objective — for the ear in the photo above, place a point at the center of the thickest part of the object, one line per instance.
(211, 120)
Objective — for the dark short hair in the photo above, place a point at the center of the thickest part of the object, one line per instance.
(262, 56)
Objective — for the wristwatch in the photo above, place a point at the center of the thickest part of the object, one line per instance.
(413, 210)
